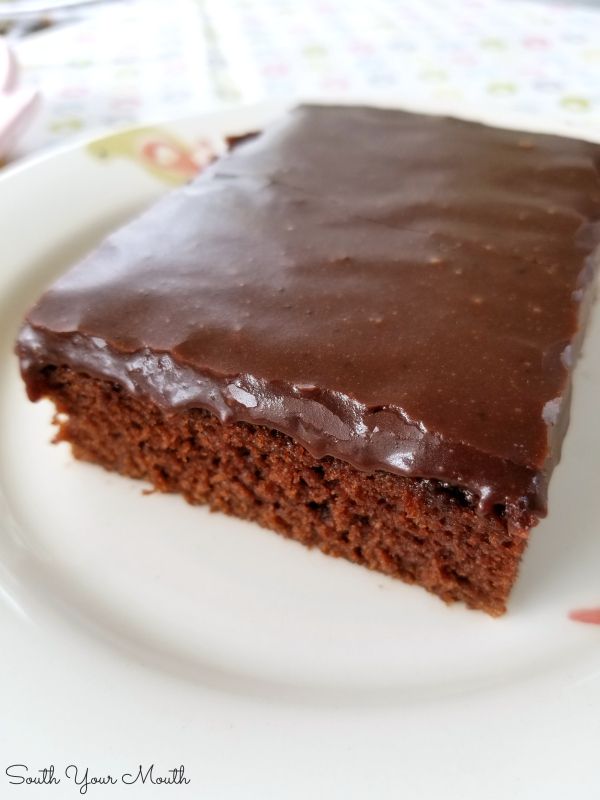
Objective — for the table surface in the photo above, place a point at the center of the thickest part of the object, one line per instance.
(124, 63)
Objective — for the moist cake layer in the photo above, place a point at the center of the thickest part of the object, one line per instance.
(416, 530)
(402, 292)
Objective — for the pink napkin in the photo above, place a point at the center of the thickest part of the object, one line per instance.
(17, 106)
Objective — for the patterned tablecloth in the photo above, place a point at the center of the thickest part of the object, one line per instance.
(147, 60)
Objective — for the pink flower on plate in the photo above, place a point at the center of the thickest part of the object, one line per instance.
(589, 615)
(17, 106)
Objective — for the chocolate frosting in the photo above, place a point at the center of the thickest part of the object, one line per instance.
(403, 292)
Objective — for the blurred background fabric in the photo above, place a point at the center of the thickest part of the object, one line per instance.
(120, 63)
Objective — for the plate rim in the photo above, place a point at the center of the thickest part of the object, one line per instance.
(520, 121)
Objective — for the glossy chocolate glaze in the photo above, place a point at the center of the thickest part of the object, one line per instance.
(403, 292)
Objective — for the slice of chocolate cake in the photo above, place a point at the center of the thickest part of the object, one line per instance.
(357, 328)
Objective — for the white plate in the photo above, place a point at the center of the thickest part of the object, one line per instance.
(138, 629)
(11, 9)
